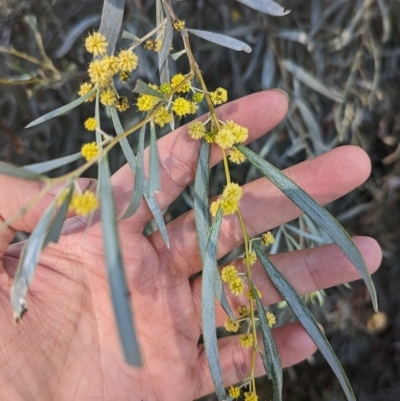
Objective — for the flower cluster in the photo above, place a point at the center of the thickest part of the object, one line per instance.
(229, 202)
(90, 150)
(84, 203)
(267, 238)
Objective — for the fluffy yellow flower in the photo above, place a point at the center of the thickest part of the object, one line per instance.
(234, 392)
(250, 396)
(108, 97)
(229, 206)
(165, 88)
(124, 76)
(231, 326)
(219, 96)
(193, 108)
(127, 60)
(196, 130)
(90, 124)
(85, 88)
(85, 203)
(210, 137)
(111, 64)
(96, 43)
(271, 318)
(239, 132)
(122, 104)
(197, 97)
(246, 340)
(146, 102)
(98, 73)
(249, 294)
(214, 207)
(236, 286)
(224, 138)
(163, 116)
(181, 107)
(179, 25)
(236, 156)
(176, 80)
(267, 238)
(90, 150)
(252, 259)
(232, 191)
(229, 273)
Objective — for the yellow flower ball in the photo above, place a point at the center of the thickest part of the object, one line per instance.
(96, 43)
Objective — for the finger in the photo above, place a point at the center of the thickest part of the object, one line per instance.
(14, 195)
(293, 344)
(264, 207)
(307, 270)
(178, 153)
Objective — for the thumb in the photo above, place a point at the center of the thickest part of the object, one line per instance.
(15, 193)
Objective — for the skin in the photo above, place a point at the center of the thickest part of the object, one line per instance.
(67, 347)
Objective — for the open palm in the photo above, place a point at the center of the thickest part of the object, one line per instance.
(68, 348)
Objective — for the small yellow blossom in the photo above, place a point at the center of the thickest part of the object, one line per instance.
(98, 73)
(214, 207)
(236, 286)
(158, 45)
(271, 318)
(231, 326)
(96, 43)
(150, 44)
(236, 156)
(90, 124)
(239, 132)
(249, 294)
(85, 203)
(108, 97)
(122, 104)
(246, 340)
(146, 102)
(197, 97)
(250, 396)
(229, 206)
(234, 392)
(243, 310)
(165, 88)
(252, 259)
(181, 107)
(124, 76)
(229, 273)
(267, 238)
(179, 25)
(219, 96)
(210, 137)
(196, 130)
(127, 60)
(178, 79)
(163, 116)
(224, 138)
(193, 108)
(90, 150)
(232, 191)
(85, 88)
(111, 64)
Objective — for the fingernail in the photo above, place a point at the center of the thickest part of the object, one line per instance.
(282, 92)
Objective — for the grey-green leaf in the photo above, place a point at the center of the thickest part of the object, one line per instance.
(208, 307)
(270, 356)
(312, 82)
(142, 88)
(301, 311)
(49, 165)
(202, 218)
(61, 110)
(266, 7)
(222, 40)
(319, 214)
(28, 262)
(167, 43)
(154, 168)
(19, 172)
(121, 298)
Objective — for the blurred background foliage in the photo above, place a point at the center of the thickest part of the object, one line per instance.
(340, 63)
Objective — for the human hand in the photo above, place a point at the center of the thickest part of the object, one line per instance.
(68, 347)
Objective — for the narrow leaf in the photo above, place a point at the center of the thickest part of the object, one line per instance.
(266, 6)
(176, 55)
(44, 167)
(301, 311)
(116, 276)
(167, 43)
(154, 168)
(222, 40)
(128, 35)
(142, 88)
(208, 307)
(28, 262)
(321, 216)
(61, 110)
(270, 357)
(202, 219)
(312, 82)
(160, 18)
(54, 232)
(19, 172)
